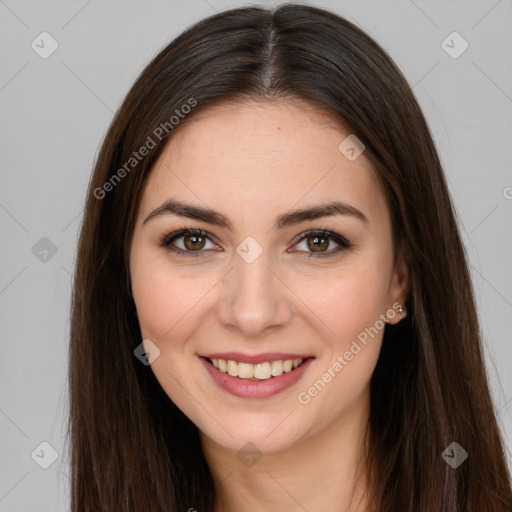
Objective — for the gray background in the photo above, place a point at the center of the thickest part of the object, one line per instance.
(55, 111)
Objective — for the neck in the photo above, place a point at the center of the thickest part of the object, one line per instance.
(318, 473)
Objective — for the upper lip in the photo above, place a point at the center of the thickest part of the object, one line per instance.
(255, 358)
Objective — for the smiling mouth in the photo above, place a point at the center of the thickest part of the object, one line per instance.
(256, 372)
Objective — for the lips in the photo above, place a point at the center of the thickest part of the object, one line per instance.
(269, 374)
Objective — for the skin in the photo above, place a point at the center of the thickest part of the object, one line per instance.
(253, 162)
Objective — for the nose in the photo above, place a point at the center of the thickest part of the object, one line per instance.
(255, 299)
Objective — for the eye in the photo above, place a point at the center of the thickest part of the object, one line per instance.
(193, 241)
(316, 242)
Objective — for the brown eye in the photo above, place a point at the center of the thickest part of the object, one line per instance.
(317, 243)
(193, 242)
(188, 242)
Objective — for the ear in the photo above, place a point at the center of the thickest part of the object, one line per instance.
(398, 291)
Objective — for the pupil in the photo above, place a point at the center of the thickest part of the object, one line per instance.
(194, 241)
(318, 242)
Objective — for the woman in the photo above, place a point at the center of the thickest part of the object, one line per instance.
(272, 308)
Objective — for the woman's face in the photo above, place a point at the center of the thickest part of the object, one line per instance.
(251, 286)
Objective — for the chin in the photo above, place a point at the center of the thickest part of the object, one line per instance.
(265, 434)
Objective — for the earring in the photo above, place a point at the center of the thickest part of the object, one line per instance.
(402, 312)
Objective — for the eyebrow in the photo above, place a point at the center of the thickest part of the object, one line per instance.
(181, 209)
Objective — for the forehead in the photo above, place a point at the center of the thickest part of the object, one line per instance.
(247, 155)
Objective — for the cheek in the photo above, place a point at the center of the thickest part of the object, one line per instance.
(166, 301)
(346, 303)
(351, 307)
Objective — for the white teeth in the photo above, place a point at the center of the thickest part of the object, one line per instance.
(246, 371)
(287, 365)
(261, 371)
(276, 368)
(233, 368)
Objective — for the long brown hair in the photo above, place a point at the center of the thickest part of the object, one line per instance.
(131, 448)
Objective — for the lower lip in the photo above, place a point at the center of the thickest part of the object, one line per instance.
(246, 388)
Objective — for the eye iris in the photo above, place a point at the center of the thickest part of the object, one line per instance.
(317, 244)
(197, 241)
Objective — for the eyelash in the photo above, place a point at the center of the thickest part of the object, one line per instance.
(341, 241)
